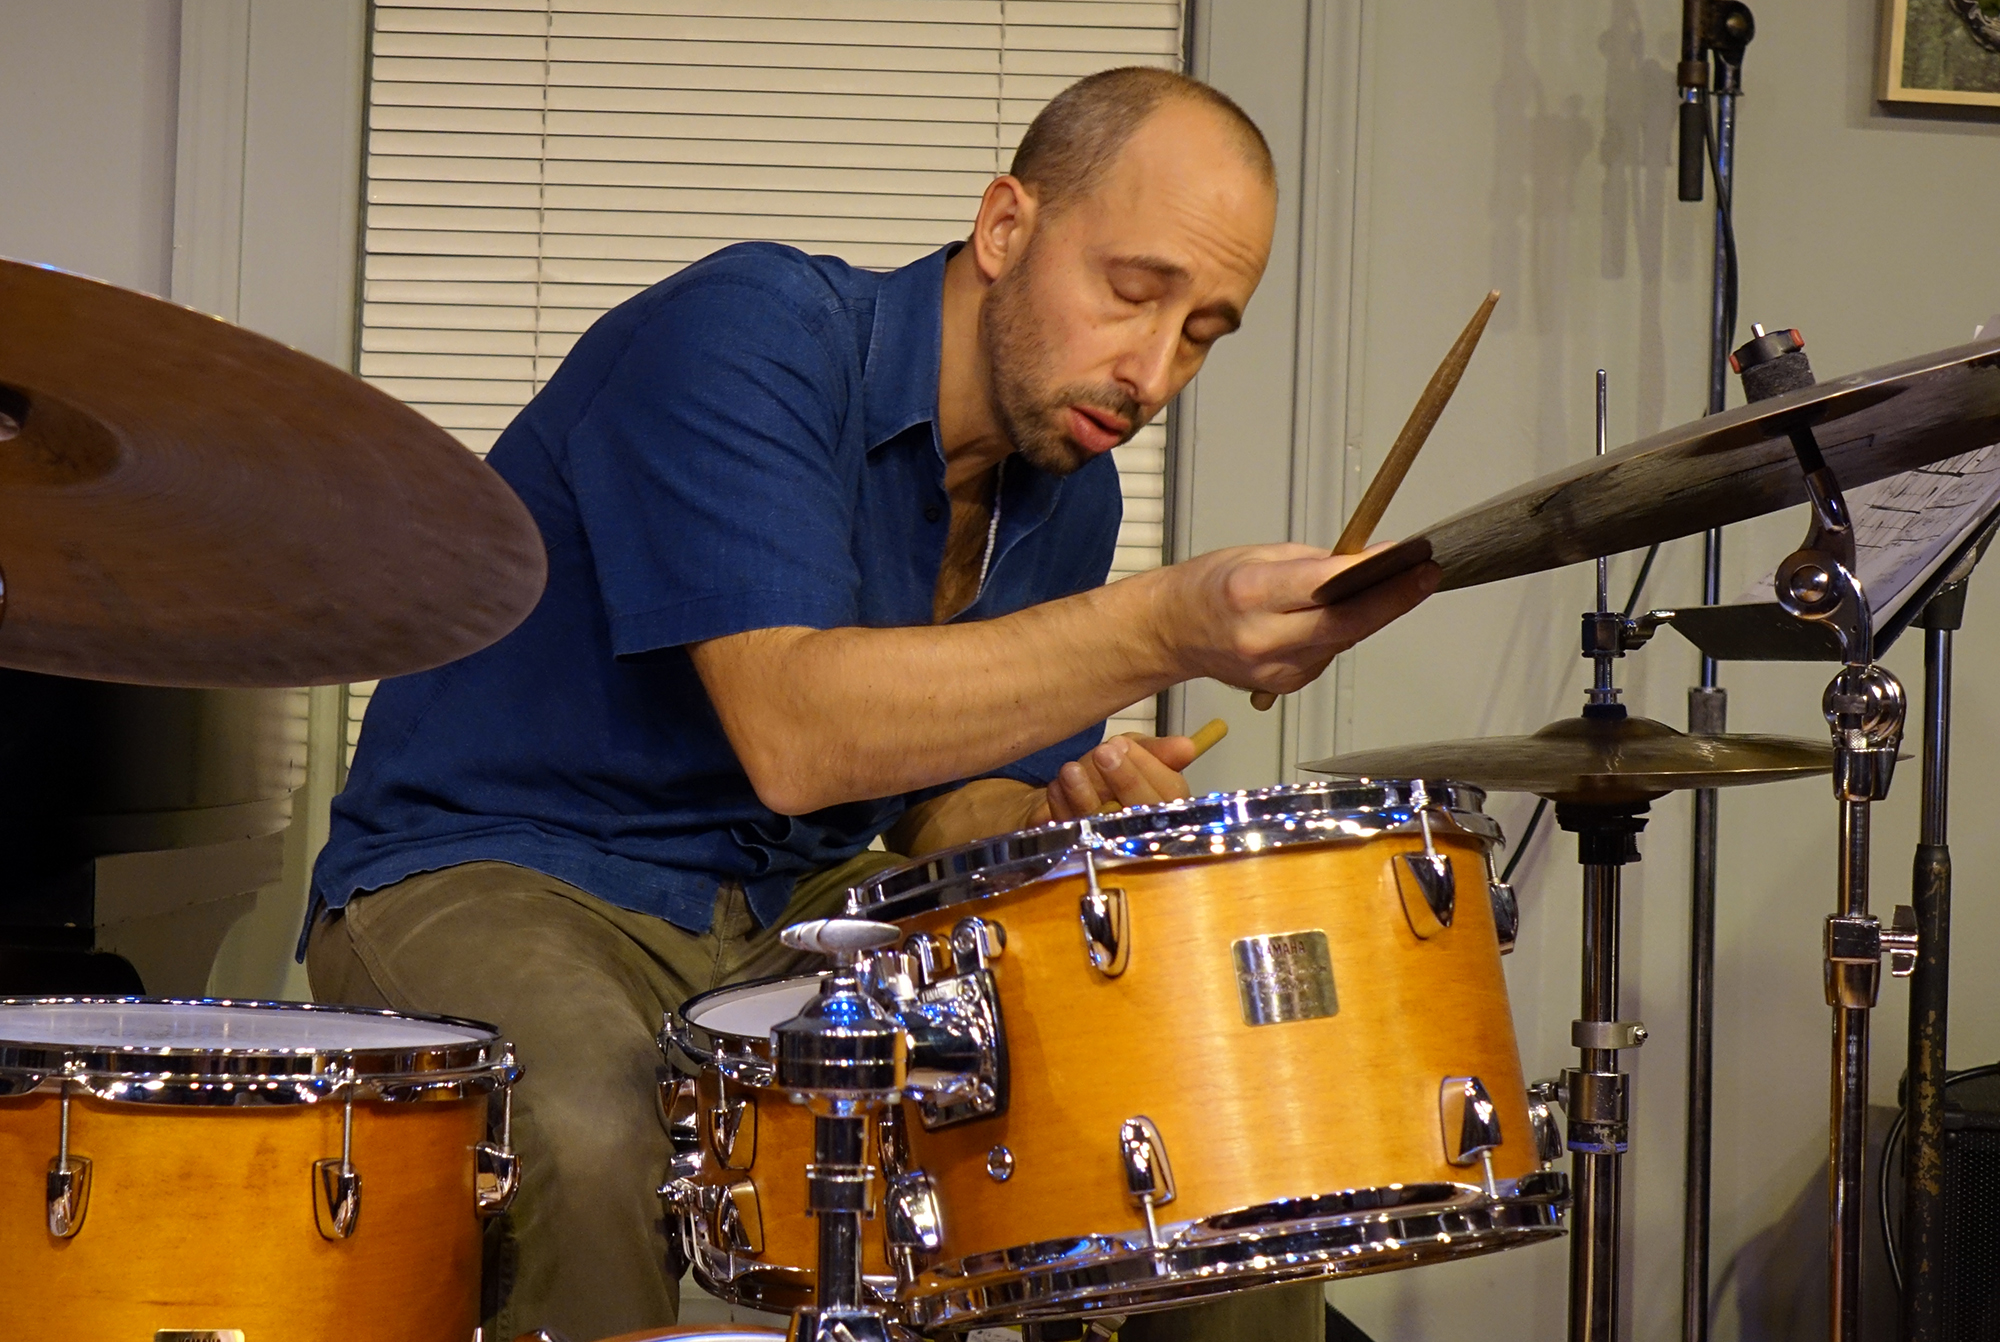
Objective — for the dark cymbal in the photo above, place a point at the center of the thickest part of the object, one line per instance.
(1604, 760)
(1727, 467)
(188, 503)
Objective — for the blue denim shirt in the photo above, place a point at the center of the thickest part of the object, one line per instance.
(751, 443)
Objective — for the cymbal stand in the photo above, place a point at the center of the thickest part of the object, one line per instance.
(1864, 706)
(843, 1057)
(1594, 1093)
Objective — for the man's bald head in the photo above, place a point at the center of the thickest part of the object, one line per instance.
(1074, 139)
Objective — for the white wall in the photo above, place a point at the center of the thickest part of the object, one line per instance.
(87, 136)
(1529, 146)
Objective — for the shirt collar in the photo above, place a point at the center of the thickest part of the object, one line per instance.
(899, 388)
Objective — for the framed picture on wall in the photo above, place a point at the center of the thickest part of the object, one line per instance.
(1941, 51)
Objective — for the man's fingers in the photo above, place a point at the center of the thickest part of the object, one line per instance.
(1134, 774)
(1288, 583)
(1175, 752)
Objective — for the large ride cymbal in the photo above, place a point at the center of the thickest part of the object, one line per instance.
(1725, 468)
(1608, 761)
(188, 503)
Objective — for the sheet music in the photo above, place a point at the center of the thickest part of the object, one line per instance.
(1906, 526)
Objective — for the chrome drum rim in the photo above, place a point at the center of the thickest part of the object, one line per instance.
(1218, 824)
(185, 1073)
(1299, 1239)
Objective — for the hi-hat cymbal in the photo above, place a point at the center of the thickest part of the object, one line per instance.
(188, 503)
(1714, 471)
(1602, 760)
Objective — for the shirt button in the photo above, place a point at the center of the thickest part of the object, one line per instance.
(932, 513)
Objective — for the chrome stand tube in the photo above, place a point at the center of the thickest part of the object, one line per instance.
(1930, 990)
(1865, 708)
(837, 1183)
(1596, 1094)
(1848, 1118)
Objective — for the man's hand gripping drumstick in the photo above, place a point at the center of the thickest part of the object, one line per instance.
(1423, 418)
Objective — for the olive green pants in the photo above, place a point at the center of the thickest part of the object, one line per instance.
(580, 987)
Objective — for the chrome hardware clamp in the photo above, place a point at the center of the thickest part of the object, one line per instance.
(336, 1183)
(496, 1169)
(1864, 707)
(1149, 1178)
(844, 1056)
(69, 1175)
(1103, 911)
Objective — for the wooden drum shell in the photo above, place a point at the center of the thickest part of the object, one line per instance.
(1249, 1114)
(778, 1275)
(203, 1218)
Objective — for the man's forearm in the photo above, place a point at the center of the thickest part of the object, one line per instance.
(825, 716)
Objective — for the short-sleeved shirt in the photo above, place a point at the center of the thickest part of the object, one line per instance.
(749, 444)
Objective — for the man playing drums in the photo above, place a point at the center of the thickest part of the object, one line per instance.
(823, 546)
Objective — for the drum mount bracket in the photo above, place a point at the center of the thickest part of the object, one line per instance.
(947, 1002)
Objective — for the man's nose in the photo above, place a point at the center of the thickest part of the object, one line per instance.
(1148, 370)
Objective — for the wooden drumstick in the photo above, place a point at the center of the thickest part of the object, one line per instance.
(1203, 737)
(1423, 418)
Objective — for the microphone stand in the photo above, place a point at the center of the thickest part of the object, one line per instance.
(1721, 31)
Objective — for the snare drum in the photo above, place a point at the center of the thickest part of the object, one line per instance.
(247, 1171)
(738, 1187)
(1242, 1038)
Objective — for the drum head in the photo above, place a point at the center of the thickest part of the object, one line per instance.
(202, 1027)
(749, 1011)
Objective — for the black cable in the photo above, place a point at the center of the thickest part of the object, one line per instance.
(1527, 836)
(1891, 1148)
(1639, 583)
(1724, 214)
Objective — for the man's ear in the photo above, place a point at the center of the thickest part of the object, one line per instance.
(1005, 222)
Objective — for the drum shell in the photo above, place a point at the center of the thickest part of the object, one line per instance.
(203, 1218)
(780, 1275)
(1249, 1114)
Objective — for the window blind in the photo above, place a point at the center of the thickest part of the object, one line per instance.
(532, 163)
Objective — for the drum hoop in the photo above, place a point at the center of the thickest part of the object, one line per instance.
(1218, 824)
(241, 1076)
(694, 1048)
(1293, 1239)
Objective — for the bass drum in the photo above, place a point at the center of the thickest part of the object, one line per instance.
(737, 1190)
(247, 1171)
(1249, 1037)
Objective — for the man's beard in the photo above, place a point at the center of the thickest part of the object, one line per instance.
(1033, 417)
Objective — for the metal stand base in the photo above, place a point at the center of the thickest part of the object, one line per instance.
(1595, 1091)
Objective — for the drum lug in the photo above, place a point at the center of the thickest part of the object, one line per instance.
(336, 1199)
(1107, 922)
(1470, 1118)
(1471, 1125)
(336, 1183)
(1543, 1098)
(680, 1111)
(69, 1195)
(496, 1177)
(976, 944)
(732, 1127)
(69, 1181)
(1149, 1178)
(496, 1170)
(739, 1219)
(915, 1225)
(1506, 908)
